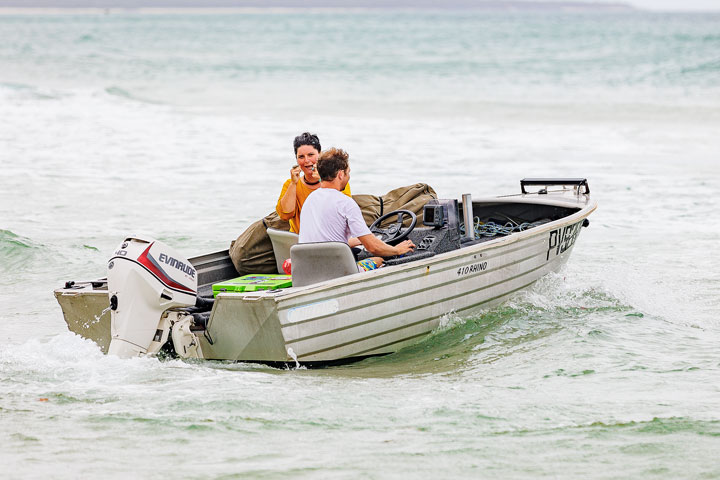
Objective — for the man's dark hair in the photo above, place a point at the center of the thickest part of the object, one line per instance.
(307, 139)
(331, 162)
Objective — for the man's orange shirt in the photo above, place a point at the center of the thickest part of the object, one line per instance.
(301, 193)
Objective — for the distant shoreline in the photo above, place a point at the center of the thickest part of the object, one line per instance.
(223, 6)
(278, 10)
(286, 10)
(154, 10)
(75, 7)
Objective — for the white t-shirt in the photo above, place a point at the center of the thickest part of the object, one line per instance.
(330, 216)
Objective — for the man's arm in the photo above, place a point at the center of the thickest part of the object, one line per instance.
(377, 247)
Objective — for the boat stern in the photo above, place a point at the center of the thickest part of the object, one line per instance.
(86, 309)
(245, 327)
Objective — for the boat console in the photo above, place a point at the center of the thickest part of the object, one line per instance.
(440, 232)
(443, 227)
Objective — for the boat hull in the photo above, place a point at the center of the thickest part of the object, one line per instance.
(83, 309)
(384, 310)
(364, 314)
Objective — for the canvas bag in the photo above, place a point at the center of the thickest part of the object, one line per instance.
(252, 251)
(412, 197)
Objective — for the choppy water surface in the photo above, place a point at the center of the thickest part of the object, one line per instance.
(181, 126)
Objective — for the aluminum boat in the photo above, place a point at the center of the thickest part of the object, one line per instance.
(153, 300)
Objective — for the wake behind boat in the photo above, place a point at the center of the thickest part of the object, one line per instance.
(158, 300)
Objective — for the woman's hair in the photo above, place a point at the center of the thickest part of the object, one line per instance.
(331, 162)
(307, 139)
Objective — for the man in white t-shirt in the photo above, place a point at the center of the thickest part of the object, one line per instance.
(330, 216)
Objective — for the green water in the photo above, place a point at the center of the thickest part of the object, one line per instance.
(181, 126)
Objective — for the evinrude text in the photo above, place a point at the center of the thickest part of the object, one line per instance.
(173, 262)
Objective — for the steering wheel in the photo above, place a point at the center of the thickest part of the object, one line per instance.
(395, 233)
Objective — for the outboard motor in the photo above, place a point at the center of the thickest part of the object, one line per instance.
(145, 278)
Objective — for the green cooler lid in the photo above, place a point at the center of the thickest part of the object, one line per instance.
(253, 282)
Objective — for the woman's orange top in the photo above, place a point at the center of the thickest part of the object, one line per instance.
(301, 193)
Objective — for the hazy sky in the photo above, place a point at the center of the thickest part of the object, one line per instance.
(673, 5)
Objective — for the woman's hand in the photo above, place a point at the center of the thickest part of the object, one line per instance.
(313, 176)
(295, 173)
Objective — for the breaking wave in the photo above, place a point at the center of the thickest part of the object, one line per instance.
(15, 251)
(22, 90)
(125, 94)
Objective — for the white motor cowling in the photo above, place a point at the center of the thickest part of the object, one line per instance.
(145, 278)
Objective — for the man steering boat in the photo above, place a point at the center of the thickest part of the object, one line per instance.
(330, 216)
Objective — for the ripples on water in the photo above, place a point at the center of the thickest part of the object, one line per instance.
(180, 126)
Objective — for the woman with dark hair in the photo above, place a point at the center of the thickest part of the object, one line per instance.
(296, 189)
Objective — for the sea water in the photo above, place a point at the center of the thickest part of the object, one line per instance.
(180, 126)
